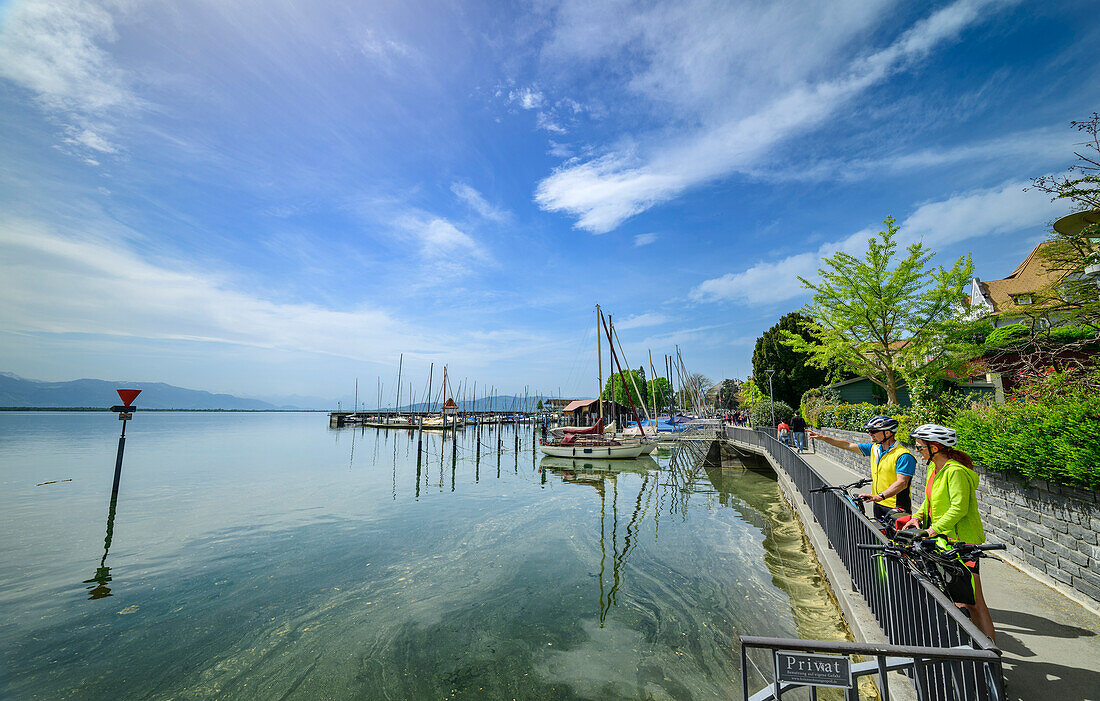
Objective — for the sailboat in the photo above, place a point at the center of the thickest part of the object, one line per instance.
(592, 441)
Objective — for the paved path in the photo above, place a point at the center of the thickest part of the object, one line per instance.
(1051, 644)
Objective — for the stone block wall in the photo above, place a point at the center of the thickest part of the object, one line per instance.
(1050, 529)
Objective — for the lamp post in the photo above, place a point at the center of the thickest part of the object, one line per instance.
(771, 394)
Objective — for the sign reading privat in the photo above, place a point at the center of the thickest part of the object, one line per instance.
(813, 670)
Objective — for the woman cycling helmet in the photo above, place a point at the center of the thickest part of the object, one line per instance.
(934, 433)
(881, 423)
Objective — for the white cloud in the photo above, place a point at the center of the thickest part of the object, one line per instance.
(1037, 146)
(986, 212)
(761, 283)
(644, 239)
(997, 210)
(736, 133)
(638, 321)
(61, 284)
(92, 140)
(547, 122)
(476, 202)
(54, 50)
(527, 98)
(439, 237)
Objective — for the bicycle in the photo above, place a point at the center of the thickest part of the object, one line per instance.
(947, 568)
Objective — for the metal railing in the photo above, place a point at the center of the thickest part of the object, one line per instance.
(918, 663)
(909, 609)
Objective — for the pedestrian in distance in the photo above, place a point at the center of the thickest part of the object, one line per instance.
(784, 432)
(892, 465)
(798, 431)
(950, 507)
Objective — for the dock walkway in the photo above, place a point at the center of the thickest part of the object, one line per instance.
(1051, 644)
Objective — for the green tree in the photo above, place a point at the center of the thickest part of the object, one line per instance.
(794, 374)
(750, 394)
(539, 405)
(884, 320)
(613, 389)
(658, 393)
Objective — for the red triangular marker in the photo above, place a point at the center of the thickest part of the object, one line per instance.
(128, 395)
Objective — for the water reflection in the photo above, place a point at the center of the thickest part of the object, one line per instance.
(599, 474)
(276, 559)
(103, 572)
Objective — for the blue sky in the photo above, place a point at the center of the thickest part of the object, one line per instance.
(275, 198)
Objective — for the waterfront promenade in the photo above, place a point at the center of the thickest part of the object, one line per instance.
(1049, 641)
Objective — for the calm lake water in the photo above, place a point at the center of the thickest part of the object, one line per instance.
(269, 556)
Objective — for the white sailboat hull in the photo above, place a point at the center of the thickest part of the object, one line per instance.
(631, 450)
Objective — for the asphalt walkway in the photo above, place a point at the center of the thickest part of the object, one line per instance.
(1051, 644)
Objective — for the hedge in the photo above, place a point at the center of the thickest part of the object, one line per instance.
(1006, 336)
(1057, 441)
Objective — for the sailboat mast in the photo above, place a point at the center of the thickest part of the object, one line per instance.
(653, 386)
(599, 363)
(622, 376)
(400, 364)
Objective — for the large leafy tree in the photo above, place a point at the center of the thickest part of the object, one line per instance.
(658, 393)
(750, 394)
(794, 373)
(613, 389)
(882, 318)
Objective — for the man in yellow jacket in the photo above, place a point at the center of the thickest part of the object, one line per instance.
(892, 465)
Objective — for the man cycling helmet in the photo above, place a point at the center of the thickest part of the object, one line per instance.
(881, 423)
(934, 433)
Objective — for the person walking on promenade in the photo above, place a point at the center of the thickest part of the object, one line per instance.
(892, 466)
(950, 507)
(798, 430)
(784, 432)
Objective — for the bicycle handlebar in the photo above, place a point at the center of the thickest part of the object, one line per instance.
(843, 487)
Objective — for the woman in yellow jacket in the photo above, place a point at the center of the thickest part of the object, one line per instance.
(950, 506)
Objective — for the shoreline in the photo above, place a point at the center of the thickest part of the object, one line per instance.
(144, 410)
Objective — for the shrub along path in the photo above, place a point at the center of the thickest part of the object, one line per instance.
(1051, 643)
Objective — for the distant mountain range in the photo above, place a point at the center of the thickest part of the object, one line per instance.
(17, 391)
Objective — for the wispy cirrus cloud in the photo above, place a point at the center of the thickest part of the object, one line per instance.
(439, 238)
(735, 134)
(475, 201)
(638, 321)
(984, 212)
(1042, 147)
(54, 50)
(644, 239)
(101, 285)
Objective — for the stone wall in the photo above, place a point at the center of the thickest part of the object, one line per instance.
(1050, 529)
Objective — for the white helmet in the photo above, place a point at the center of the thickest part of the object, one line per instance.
(935, 433)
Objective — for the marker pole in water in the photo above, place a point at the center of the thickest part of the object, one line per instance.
(419, 440)
(125, 413)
